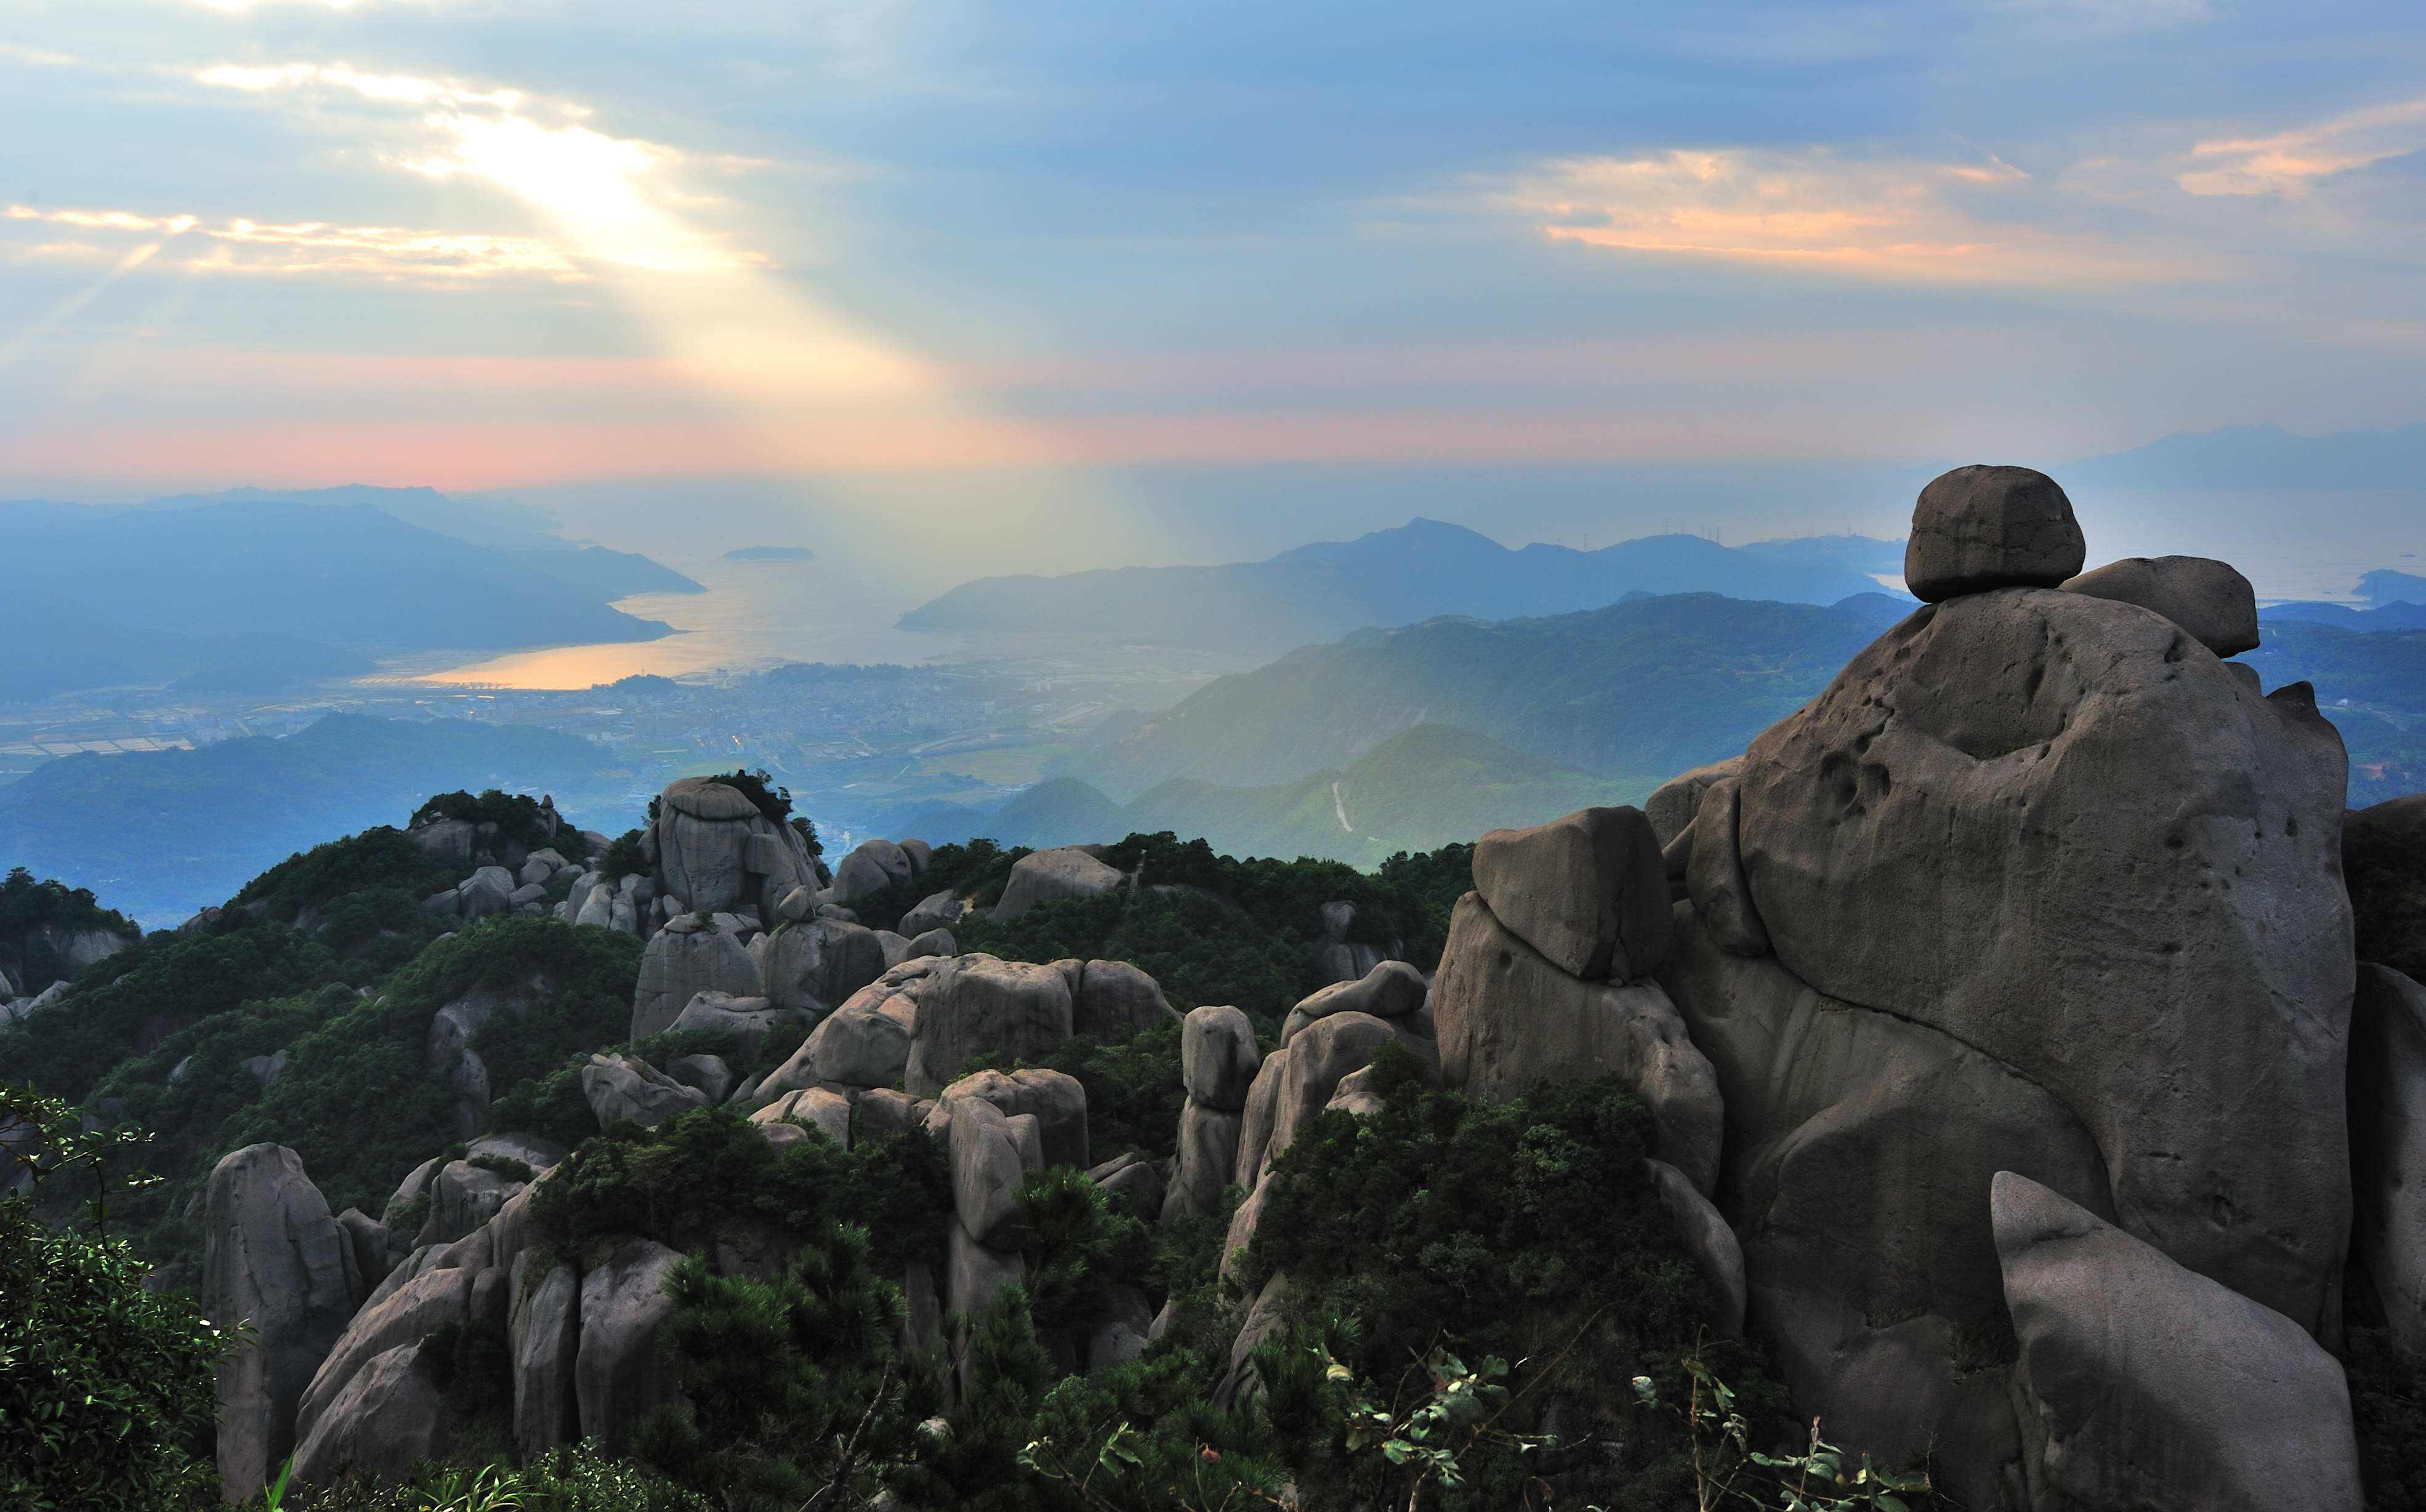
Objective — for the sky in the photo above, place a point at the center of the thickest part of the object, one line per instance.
(1077, 284)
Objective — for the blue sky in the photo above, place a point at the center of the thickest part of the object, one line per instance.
(1021, 280)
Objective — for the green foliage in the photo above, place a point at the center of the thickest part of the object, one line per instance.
(789, 1385)
(710, 1175)
(28, 908)
(517, 817)
(357, 1101)
(1076, 1250)
(578, 1479)
(382, 862)
(106, 1387)
(1526, 1230)
(1005, 1372)
(2387, 889)
(979, 868)
(505, 1165)
(623, 858)
(1728, 1470)
(758, 787)
(1134, 1090)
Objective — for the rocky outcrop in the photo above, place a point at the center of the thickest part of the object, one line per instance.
(1056, 1101)
(1587, 892)
(1111, 1001)
(1052, 876)
(276, 1260)
(743, 1022)
(618, 1373)
(390, 1416)
(816, 964)
(2142, 1384)
(2387, 1111)
(2209, 599)
(1706, 1239)
(829, 1113)
(875, 865)
(2055, 829)
(971, 1004)
(1392, 989)
(1981, 527)
(1218, 1057)
(685, 958)
(1670, 808)
(623, 1089)
(543, 1331)
(940, 910)
(1509, 1019)
(715, 852)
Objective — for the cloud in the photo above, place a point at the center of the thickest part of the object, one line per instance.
(241, 246)
(2291, 163)
(389, 89)
(1900, 219)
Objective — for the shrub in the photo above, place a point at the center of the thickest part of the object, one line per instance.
(517, 817)
(758, 787)
(106, 1388)
(623, 858)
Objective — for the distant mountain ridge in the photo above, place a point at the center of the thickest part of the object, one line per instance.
(1425, 787)
(2261, 456)
(148, 594)
(163, 833)
(1419, 571)
(1638, 690)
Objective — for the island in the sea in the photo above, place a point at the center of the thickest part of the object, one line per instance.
(770, 554)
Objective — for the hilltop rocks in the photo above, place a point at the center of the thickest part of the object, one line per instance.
(486, 891)
(620, 1089)
(1714, 872)
(1587, 892)
(817, 963)
(2388, 1099)
(1981, 527)
(986, 1171)
(1055, 1100)
(812, 1107)
(2142, 1384)
(745, 1022)
(274, 1258)
(1672, 807)
(2206, 598)
(940, 910)
(971, 1004)
(1391, 989)
(683, 960)
(1218, 1057)
(617, 1374)
(2058, 830)
(431, 1300)
(717, 853)
(1051, 877)
(1112, 1000)
(875, 865)
(1509, 1018)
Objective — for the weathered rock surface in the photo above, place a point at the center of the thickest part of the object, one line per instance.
(817, 963)
(1508, 1019)
(1714, 872)
(1981, 527)
(682, 961)
(2142, 1384)
(543, 1330)
(1391, 989)
(1707, 1238)
(275, 1258)
(1860, 1150)
(617, 1375)
(986, 1172)
(429, 1300)
(875, 865)
(1587, 891)
(2058, 830)
(1114, 1000)
(1218, 1058)
(1055, 1100)
(390, 1416)
(973, 1004)
(2204, 597)
(1208, 1152)
(829, 1113)
(940, 910)
(619, 1088)
(745, 1020)
(1052, 876)
(2387, 1110)
(1672, 807)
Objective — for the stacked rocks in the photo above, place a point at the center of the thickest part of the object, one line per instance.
(1219, 1061)
(1544, 977)
(689, 955)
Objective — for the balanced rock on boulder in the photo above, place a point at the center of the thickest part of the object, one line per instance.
(1051, 877)
(1981, 527)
